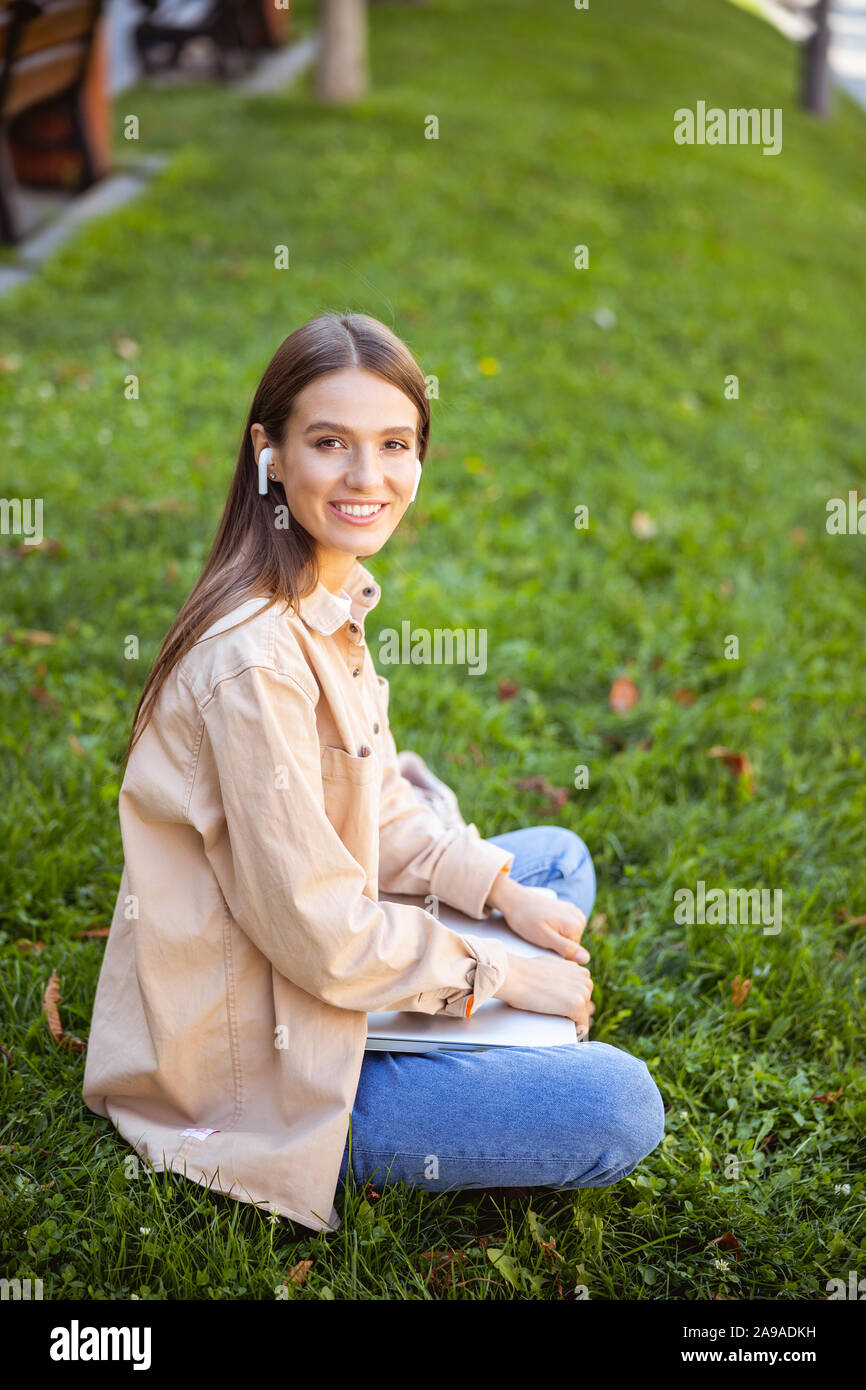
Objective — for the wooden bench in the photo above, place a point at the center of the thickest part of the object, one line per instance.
(45, 49)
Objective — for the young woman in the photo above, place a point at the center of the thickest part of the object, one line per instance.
(263, 810)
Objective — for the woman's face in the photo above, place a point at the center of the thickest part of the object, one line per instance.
(352, 443)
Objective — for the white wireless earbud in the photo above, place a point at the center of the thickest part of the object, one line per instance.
(417, 480)
(265, 460)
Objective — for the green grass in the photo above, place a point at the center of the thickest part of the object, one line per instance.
(555, 130)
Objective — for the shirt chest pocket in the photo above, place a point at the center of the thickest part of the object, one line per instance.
(351, 782)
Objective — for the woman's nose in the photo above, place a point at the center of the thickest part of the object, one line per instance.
(364, 467)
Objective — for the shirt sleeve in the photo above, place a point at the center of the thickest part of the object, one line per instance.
(417, 854)
(295, 889)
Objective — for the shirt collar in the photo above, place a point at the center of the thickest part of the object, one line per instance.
(322, 610)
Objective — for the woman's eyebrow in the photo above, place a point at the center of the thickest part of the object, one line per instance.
(345, 429)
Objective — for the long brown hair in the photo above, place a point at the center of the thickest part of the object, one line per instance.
(250, 556)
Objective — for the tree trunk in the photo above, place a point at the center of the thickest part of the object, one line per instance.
(816, 68)
(342, 70)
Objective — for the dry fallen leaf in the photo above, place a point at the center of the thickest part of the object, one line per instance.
(738, 764)
(550, 1250)
(843, 914)
(78, 748)
(623, 695)
(298, 1273)
(739, 990)
(757, 704)
(32, 637)
(23, 944)
(124, 502)
(727, 1242)
(827, 1097)
(556, 796)
(44, 547)
(92, 932)
(444, 1264)
(50, 1001)
(684, 696)
(507, 689)
(41, 696)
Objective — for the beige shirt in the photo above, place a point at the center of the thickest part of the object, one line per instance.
(262, 811)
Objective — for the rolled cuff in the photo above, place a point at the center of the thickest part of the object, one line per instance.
(467, 871)
(491, 968)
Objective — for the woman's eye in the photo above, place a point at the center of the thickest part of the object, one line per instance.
(331, 440)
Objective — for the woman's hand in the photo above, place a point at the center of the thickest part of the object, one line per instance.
(545, 921)
(544, 985)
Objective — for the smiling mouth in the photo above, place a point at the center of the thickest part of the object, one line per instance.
(359, 513)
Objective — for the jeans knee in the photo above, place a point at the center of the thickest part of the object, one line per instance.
(574, 861)
(635, 1122)
(648, 1115)
(567, 848)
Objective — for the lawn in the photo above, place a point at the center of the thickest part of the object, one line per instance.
(557, 387)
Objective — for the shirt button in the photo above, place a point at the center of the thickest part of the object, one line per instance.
(368, 592)
(357, 671)
(365, 750)
(375, 728)
(353, 627)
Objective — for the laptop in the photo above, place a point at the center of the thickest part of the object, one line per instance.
(495, 1024)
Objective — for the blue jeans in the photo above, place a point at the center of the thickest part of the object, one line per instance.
(561, 1117)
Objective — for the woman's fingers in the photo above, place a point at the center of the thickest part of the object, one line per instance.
(566, 919)
(566, 946)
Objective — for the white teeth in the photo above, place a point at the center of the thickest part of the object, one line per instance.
(355, 510)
